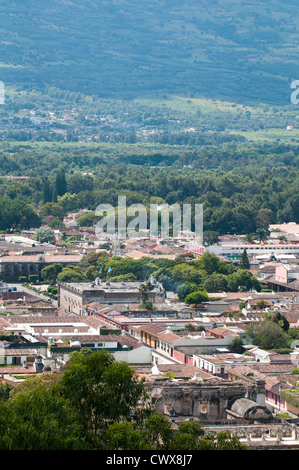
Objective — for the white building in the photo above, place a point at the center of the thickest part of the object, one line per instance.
(235, 250)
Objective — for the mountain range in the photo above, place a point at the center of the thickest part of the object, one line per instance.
(226, 49)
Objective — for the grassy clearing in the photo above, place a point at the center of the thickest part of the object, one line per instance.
(272, 135)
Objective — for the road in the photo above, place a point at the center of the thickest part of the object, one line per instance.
(44, 298)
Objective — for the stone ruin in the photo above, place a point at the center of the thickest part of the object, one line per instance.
(211, 401)
(237, 407)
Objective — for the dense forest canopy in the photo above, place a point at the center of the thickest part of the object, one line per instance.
(241, 189)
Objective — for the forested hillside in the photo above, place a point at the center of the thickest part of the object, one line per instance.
(241, 162)
(227, 49)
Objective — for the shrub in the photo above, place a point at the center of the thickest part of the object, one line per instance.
(33, 278)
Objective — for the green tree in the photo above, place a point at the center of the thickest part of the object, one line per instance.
(267, 335)
(262, 304)
(55, 223)
(124, 436)
(40, 420)
(242, 280)
(293, 333)
(264, 218)
(221, 441)
(71, 274)
(68, 201)
(17, 215)
(244, 262)
(210, 237)
(215, 283)
(100, 389)
(33, 382)
(5, 390)
(185, 289)
(190, 327)
(210, 263)
(186, 272)
(87, 219)
(261, 234)
(44, 235)
(60, 183)
(145, 289)
(236, 346)
(249, 237)
(188, 436)
(33, 278)
(156, 433)
(50, 272)
(197, 297)
(54, 195)
(47, 192)
(281, 320)
(91, 273)
(51, 208)
(78, 182)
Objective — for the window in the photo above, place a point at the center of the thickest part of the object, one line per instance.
(16, 361)
(203, 408)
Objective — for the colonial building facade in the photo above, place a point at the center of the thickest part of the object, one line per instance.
(23, 265)
(73, 296)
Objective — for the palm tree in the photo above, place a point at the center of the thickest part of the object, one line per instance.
(261, 233)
